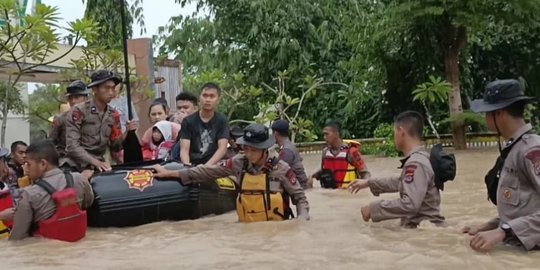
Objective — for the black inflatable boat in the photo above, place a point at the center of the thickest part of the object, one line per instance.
(130, 196)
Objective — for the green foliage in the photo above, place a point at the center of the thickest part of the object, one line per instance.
(469, 118)
(43, 103)
(532, 117)
(434, 91)
(30, 41)
(383, 51)
(106, 13)
(387, 147)
(11, 98)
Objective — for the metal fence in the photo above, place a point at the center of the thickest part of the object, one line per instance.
(474, 140)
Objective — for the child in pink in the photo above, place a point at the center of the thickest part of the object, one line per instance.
(162, 141)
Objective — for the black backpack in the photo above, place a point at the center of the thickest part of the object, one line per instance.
(443, 164)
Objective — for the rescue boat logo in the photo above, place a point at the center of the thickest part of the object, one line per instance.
(139, 179)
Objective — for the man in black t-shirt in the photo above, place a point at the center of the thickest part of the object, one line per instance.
(204, 135)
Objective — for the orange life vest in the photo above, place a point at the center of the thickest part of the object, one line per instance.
(6, 202)
(338, 168)
(68, 222)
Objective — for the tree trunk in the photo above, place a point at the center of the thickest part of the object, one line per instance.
(4, 124)
(430, 121)
(451, 66)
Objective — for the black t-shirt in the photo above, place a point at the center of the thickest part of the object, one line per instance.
(204, 136)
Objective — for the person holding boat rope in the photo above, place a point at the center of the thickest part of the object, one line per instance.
(265, 181)
(94, 125)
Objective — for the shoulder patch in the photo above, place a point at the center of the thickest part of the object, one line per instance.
(291, 176)
(226, 163)
(408, 176)
(534, 157)
(77, 115)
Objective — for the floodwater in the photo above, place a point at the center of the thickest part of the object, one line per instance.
(335, 238)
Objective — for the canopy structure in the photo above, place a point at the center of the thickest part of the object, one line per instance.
(47, 73)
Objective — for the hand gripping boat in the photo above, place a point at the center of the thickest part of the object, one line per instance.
(130, 196)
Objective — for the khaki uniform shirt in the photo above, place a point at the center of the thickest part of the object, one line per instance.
(89, 133)
(58, 135)
(282, 178)
(36, 204)
(419, 197)
(518, 193)
(289, 154)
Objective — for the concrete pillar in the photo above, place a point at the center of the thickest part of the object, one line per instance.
(142, 49)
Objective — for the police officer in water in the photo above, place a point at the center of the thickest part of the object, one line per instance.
(265, 182)
(514, 182)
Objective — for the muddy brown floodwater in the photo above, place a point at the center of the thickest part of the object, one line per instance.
(335, 238)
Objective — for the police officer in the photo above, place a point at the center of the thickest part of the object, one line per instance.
(35, 203)
(288, 152)
(264, 181)
(514, 183)
(341, 163)
(419, 197)
(76, 93)
(92, 126)
(234, 149)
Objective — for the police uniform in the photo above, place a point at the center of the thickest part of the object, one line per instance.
(36, 204)
(260, 187)
(282, 179)
(235, 133)
(57, 132)
(518, 182)
(518, 192)
(419, 197)
(88, 134)
(289, 154)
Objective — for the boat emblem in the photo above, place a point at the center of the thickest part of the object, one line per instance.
(139, 179)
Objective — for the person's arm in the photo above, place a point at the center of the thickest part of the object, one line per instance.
(222, 138)
(117, 137)
(415, 183)
(54, 131)
(184, 151)
(197, 174)
(527, 228)
(286, 155)
(292, 187)
(23, 218)
(75, 151)
(357, 161)
(490, 225)
(220, 153)
(384, 185)
(185, 141)
(87, 193)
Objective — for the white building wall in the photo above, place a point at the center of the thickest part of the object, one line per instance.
(18, 127)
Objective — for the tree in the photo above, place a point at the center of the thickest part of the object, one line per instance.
(452, 25)
(434, 91)
(288, 107)
(30, 41)
(106, 14)
(42, 104)
(11, 100)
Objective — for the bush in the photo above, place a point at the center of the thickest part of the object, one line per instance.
(387, 147)
(531, 116)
